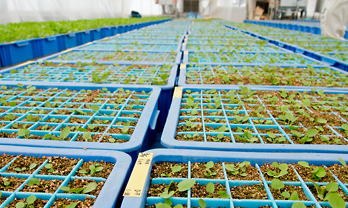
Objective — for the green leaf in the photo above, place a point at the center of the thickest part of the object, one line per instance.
(294, 196)
(90, 187)
(87, 136)
(336, 201)
(286, 194)
(95, 107)
(178, 206)
(321, 172)
(298, 205)
(23, 132)
(72, 205)
(21, 205)
(210, 164)
(186, 184)
(321, 120)
(32, 166)
(202, 203)
(31, 199)
(342, 162)
(176, 168)
(168, 201)
(161, 205)
(210, 188)
(304, 164)
(64, 134)
(332, 187)
(33, 181)
(277, 184)
(311, 132)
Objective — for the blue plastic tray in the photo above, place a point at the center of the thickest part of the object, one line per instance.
(19, 51)
(108, 114)
(133, 57)
(132, 47)
(195, 74)
(256, 159)
(228, 48)
(256, 123)
(106, 198)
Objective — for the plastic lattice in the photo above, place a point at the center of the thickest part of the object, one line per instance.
(134, 46)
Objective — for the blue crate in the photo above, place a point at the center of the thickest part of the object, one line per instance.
(233, 131)
(189, 157)
(111, 114)
(106, 32)
(106, 198)
(95, 34)
(129, 57)
(48, 45)
(83, 37)
(61, 75)
(131, 47)
(66, 41)
(19, 51)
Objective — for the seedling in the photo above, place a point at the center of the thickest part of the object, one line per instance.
(298, 205)
(343, 163)
(278, 185)
(240, 170)
(288, 118)
(88, 188)
(308, 137)
(218, 138)
(33, 181)
(93, 169)
(281, 170)
(32, 118)
(24, 133)
(345, 128)
(208, 172)
(175, 169)
(50, 169)
(240, 120)
(329, 193)
(72, 205)
(10, 117)
(182, 186)
(317, 173)
(274, 139)
(190, 125)
(29, 202)
(6, 183)
(64, 134)
(190, 102)
(99, 79)
(247, 137)
(211, 189)
(168, 204)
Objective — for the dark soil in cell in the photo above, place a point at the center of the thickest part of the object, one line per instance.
(46, 186)
(215, 120)
(95, 138)
(214, 129)
(256, 191)
(20, 126)
(259, 115)
(189, 113)
(54, 120)
(4, 159)
(39, 203)
(99, 121)
(199, 170)
(317, 140)
(97, 129)
(288, 131)
(252, 173)
(197, 128)
(2, 199)
(289, 188)
(111, 139)
(71, 106)
(82, 183)
(76, 120)
(200, 191)
(242, 130)
(12, 183)
(18, 110)
(115, 130)
(214, 138)
(340, 191)
(213, 113)
(62, 203)
(45, 128)
(127, 123)
(25, 164)
(277, 140)
(60, 166)
(290, 176)
(8, 135)
(340, 171)
(134, 115)
(192, 119)
(265, 131)
(63, 112)
(307, 176)
(185, 137)
(164, 170)
(133, 103)
(89, 167)
(239, 139)
(156, 189)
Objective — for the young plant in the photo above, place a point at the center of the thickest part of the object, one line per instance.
(209, 173)
(167, 204)
(93, 169)
(329, 193)
(281, 170)
(182, 186)
(175, 169)
(24, 133)
(317, 173)
(211, 189)
(29, 202)
(308, 137)
(288, 118)
(274, 139)
(240, 170)
(278, 185)
(345, 128)
(49, 166)
(247, 137)
(88, 188)
(344, 164)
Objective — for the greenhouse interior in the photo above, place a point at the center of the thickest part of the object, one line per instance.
(173, 103)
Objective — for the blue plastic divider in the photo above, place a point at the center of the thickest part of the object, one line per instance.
(256, 159)
(231, 127)
(108, 195)
(110, 117)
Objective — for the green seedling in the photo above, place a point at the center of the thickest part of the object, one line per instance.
(190, 125)
(96, 78)
(6, 182)
(190, 103)
(298, 205)
(93, 169)
(330, 193)
(184, 185)
(241, 120)
(72, 205)
(218, 138)
(175, 169)
(288, 118)
(32, 118)
(317, 173)
(65, 133)
(280, 170)
(168, 204)
(345, 128)
(88, 188)
(238, 170)
(208, 172)
(125, 130)
(31, 166)
(95, 108)
(29, 202)
(343, 163)
(33, 181)
(10, 117)
(247, 137)
(274, 139)
(211, 189)
(49, 166)
(278, 185)
(24, 133)
(87, 136)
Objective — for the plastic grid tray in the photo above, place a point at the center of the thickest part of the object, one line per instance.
(189, 157)
(265, 75)
(118, 57)
(106, 198)
(134, 46)
(218, 41)
(247, 57)
(47, 111)
(143, 41)
(240, 48)
(78, 73)
(204, 121)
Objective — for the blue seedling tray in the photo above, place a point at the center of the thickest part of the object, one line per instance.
(159, 40)
(258, 125)
(129, 57)
(246, 57)
(189, 157)
(132, 47)
(197, 74)
(227, 48)
(125, 75)
(59, 112)
(107, 196)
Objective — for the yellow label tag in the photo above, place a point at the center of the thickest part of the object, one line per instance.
(25, 63)
(182, 66)
(138, 177)
(177, 92)
(185, 52)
